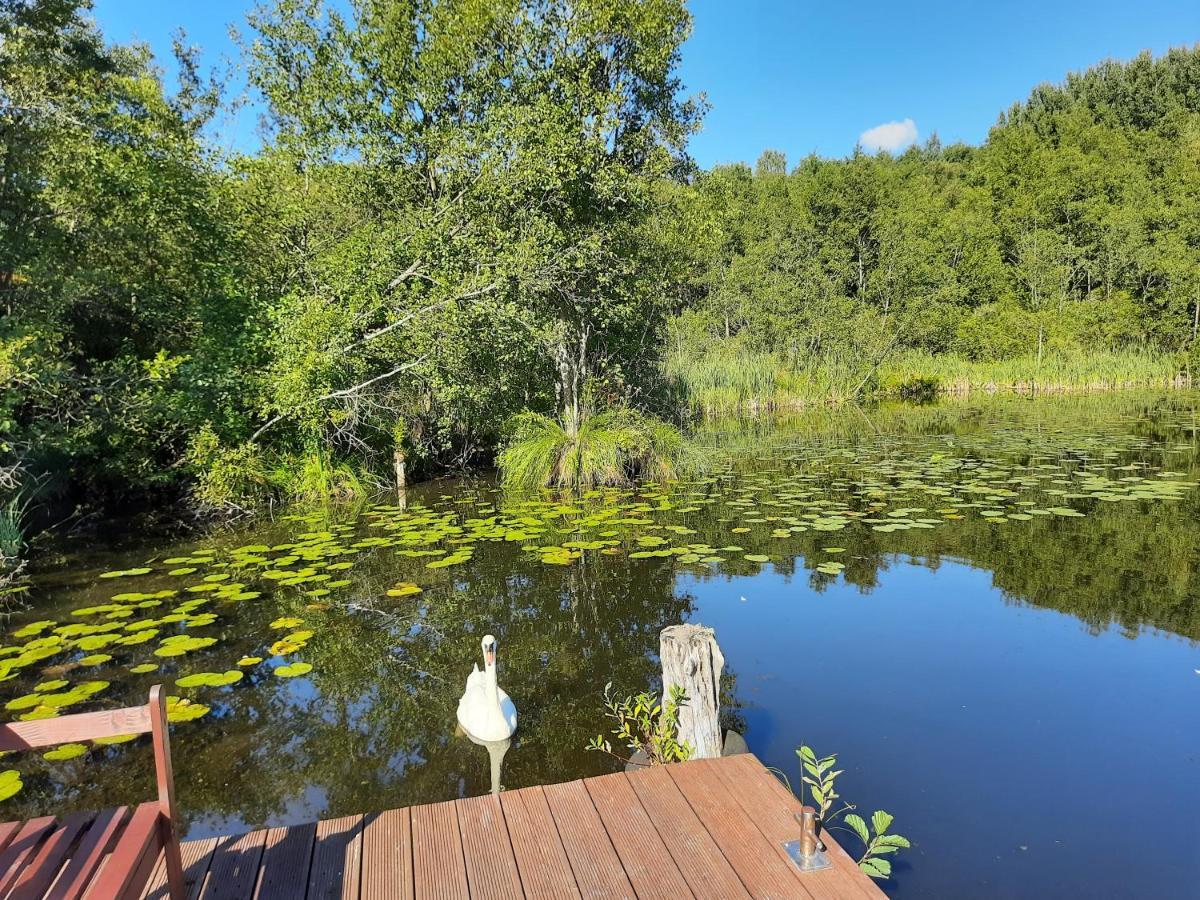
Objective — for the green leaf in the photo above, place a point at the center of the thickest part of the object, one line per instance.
(860, 827)
(880, 821)
(876, 868)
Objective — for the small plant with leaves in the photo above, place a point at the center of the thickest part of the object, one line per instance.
(820, 775)
(646, 726)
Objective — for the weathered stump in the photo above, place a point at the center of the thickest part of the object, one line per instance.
(691, 659)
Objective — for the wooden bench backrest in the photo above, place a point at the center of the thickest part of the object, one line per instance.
(150, 718)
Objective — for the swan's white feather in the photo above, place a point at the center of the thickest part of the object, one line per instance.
(481, 717)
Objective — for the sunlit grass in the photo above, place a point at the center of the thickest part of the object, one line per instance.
(724, 382)
(610, 448)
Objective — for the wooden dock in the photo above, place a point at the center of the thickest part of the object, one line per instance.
(706, 829)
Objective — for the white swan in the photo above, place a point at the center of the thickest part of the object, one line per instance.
(485, 712)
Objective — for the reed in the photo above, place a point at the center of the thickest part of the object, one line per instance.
(724, 382)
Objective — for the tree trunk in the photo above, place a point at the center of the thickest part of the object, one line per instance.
(691, 659)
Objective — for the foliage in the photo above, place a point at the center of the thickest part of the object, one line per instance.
(821, 777)
(609, 448)
(645, 726)
(1072, 232)
(470, 214)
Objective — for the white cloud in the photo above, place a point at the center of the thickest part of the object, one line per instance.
(890, 136)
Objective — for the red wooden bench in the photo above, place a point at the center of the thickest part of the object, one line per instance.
(108, 855)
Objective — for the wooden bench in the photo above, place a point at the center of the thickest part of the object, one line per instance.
(108, 855)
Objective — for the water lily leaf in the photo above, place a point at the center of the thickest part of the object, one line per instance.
(115, 739)
(182, 710)
(143, 668)
(210, 679)
(404, 589)
(65, 751)
(293, 670)
(119, 573)
(287, 622)
(249, 660)
(10, 783)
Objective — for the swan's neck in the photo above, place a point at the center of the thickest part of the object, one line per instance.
(490, 685)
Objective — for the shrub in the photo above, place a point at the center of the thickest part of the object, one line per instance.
(609, 448)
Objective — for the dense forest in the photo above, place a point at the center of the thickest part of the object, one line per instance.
(465, 215)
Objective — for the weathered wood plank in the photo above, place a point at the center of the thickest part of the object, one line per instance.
(706, 869)
(645, 857)
(597, 868)
(387, 866)
(21, 849)
(136, 847)
(43, 868)
(773, 809)
(487, 850)
(8, 830)
(749, 853)
(286, 858)
(85, 861)
(541, 860)
(439, 870)
(233, 869)
(337, 860)
(197, 856)
(76, 727)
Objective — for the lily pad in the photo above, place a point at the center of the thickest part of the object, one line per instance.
(65, 751)
(293, 670)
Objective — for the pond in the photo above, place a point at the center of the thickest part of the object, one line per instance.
(989, 609)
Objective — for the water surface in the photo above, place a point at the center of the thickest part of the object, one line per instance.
(988, 609)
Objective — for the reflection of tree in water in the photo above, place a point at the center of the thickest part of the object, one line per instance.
(373, 725)
(378, 729)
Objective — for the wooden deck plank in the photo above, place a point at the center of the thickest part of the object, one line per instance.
(283, 869)
(8, 830)
(709, 829)
(233, 869)
(487, 850)
(21, 849)
(773, 809)
(538, 850)
(762, 872)
(647, 862)
(439, 870)
(196, 857)
(43, 869)
(132, 860)
(387, 867)
(337, 860)
(80, 869)
(707, 871)
(597, 868)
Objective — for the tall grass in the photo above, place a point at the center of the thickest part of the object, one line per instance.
(1102, 370)
(724, 381)
(721, 381)
(12, 532)
(610, 448)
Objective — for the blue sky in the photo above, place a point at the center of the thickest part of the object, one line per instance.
(814, 77)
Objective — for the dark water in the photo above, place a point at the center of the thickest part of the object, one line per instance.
(1003, 654)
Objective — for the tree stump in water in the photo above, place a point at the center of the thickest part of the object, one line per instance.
(691, 659)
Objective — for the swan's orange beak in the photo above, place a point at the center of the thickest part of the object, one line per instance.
(490, 656)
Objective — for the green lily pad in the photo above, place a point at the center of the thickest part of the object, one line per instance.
(10, 783)
(65, 751)
(293, 670)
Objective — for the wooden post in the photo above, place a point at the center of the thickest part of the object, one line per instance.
(691, 659)
(165, 777)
